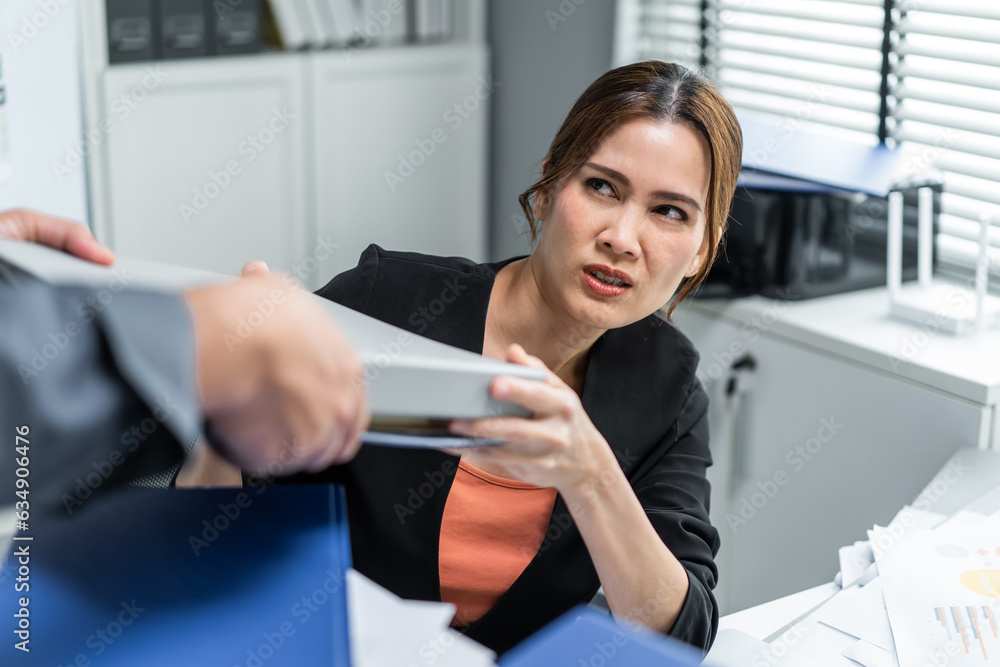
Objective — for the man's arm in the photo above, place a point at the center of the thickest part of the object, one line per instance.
(88, 426)
(288, 397)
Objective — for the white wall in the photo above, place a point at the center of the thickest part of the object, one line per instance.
(40, 52)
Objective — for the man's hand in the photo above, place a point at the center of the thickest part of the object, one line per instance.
(70, 237)
(280, 384)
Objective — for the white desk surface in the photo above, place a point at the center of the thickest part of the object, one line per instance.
(765, 619)
(857, 326)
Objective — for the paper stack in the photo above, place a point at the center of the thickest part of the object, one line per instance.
(922, 591)
(419, 630)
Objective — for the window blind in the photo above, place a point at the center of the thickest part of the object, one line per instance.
(925, 76)
(946, 94)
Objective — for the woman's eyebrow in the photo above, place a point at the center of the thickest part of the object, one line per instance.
(659, 194)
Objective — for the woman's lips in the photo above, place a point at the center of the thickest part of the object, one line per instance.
(620, 282)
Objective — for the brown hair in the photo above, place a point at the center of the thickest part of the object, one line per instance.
(662, 91)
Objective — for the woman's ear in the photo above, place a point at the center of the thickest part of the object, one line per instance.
(540, 207)
(699, 260)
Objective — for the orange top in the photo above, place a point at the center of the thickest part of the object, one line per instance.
(491, 529)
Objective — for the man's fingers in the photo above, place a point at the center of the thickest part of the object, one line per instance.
(255, 267)
(82, 244)
(60, 234)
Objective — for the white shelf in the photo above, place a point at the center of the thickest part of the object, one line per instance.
(857, 326)
(310, 194)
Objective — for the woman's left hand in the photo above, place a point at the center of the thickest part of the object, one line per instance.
(557, 447)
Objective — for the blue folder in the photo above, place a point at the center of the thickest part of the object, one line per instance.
(585, 637)
(250, 577)
(789, 150)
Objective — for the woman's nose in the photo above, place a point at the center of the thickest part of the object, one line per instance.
(621, 235)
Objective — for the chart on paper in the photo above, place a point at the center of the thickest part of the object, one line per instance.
(972, 629)
(942, 591)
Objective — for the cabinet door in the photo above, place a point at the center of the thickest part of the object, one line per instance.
(400, 150)
(204, 161)
(814, 450)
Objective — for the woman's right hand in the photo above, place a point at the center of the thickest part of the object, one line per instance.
(279, 381)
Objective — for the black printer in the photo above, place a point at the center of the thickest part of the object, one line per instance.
(809, 217)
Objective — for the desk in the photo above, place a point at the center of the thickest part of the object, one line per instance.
(841, 402)
(783, 631)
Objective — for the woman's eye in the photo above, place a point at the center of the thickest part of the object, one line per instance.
(600, 186)
(672, 212)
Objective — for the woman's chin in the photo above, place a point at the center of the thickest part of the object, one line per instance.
(604, 318)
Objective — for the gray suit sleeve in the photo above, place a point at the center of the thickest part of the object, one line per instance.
(105, 384)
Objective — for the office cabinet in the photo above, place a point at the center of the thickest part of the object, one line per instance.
(300, 159)
(399, 150)
(205, 164)
(811, 446)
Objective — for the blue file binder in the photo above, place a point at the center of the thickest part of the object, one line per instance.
(585, 637)
(159, 577)
(791, 151)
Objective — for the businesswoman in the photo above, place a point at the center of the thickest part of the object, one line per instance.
(605, 483)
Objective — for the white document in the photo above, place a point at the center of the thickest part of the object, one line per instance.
(344, 17)
(860, 612)
(381, 23)
(734, 648)
(854, 561)
(942, 591)
(387, 630)
(769, 618)
(312, 28)
(869, 655)
(808, 644)
(320, 21)
(289, 20)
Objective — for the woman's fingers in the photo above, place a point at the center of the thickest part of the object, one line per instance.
(539, 398)
(517, 355)
(526, 436)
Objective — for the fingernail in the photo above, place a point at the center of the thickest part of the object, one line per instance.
(459, 427)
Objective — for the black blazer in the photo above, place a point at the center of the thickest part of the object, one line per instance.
(641, 393)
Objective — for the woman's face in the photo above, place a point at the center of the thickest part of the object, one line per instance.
(623, 230)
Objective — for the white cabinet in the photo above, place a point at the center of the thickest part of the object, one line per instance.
(205, 163)
(399, 150)
(812, 447)
(299, 159)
